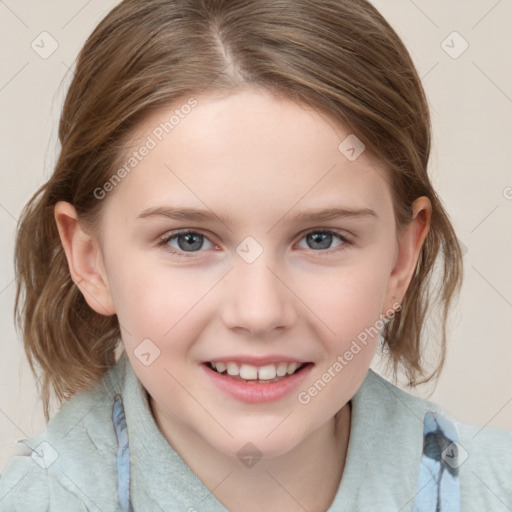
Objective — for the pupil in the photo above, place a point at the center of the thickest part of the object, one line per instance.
(189, 237)
(319, 238)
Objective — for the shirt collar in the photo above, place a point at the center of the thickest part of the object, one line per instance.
(383, 456)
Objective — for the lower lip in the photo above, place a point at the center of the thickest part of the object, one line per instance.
(254, 393)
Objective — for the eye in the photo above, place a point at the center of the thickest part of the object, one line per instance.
(323, 238)
(187, 241)
(192, 241)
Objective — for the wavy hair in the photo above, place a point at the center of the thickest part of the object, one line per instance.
(339, 56)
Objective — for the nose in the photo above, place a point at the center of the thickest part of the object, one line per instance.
(257, 299)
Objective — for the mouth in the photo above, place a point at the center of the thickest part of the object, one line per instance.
(251, 374)
(256, 381)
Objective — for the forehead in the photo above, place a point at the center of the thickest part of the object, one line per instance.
(248, 150)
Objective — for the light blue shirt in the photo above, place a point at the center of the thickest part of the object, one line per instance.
(104, 452)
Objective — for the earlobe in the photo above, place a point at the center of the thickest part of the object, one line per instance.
(409, 247)
(84, 258)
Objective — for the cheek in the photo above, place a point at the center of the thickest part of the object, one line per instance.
(151, 299)
(350, 306)
(350, 300)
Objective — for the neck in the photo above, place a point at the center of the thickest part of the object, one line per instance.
(305, 478)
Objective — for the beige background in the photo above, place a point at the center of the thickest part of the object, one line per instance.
(471, 102)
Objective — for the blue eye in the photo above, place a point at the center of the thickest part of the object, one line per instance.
(190, 242)
(322, 239)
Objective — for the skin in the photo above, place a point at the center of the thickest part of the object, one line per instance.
(257, 160)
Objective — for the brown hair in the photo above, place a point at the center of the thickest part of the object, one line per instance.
(339, 56)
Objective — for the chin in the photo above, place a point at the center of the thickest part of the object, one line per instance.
(258, 444)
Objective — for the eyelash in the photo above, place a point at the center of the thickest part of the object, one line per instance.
(162, 242)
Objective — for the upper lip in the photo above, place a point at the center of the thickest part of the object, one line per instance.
(255, 361)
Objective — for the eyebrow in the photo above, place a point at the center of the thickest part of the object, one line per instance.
(310, 215)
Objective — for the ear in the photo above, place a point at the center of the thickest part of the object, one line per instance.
(85, 259)
(410, 242)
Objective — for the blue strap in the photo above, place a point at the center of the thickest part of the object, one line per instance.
(123, 455)
(438, 483)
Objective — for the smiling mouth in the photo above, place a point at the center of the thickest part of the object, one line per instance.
(248, 373)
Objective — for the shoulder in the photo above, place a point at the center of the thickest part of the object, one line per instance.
(485, 467)
(64, 464)
(484, 453)
(23, 487)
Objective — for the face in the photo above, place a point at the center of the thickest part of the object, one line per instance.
(254, 282)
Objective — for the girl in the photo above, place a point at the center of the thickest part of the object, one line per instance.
(239, 217)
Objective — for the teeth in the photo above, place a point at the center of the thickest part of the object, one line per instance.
(248, 372)
(266, 372)
(233, 369)
(251, 372)
(282, 369)
(292, 367)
